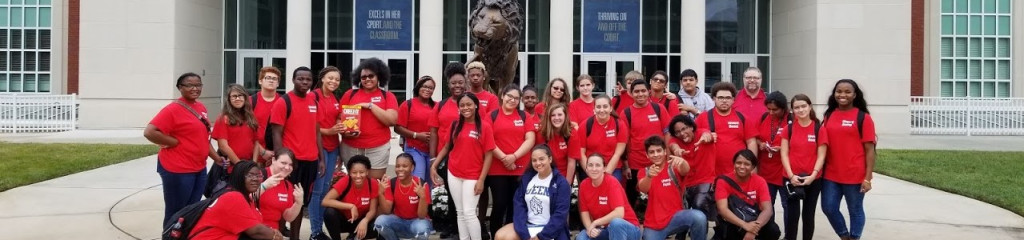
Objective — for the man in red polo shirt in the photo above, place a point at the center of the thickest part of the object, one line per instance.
(750, 101)
(298, 130)
(732, 131)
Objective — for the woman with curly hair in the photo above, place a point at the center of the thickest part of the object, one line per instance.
(379, 111)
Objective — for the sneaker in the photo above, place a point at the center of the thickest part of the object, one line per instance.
(319, 236)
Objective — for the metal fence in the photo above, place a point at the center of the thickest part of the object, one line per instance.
(966, 116)
(20, 113)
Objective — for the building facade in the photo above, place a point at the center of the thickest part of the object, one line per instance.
(121, 58)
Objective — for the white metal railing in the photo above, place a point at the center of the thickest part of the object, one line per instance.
(966, 116)
(38, 113)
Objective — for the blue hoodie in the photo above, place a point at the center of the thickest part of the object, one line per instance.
(558, 191)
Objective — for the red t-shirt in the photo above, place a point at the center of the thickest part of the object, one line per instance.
(408, 202)
(732, 137)
(240, 138)
(416, 120)
(300, 131)
(372, 132)
(512, 130)
(442, 118)
(262, 112)
(603, 199)
(803, 147)
(770, 131)
(846, 157)
(602, 140)
(664, 199)
(193, 139)
(327, 116)
(646, 123)
(488, 102)
(359, 196)
(755, 187)
(750, 106)
(275, 200)
(672, 106)
(560, 149)
(227, 218)
(466, 159)
(624, 99)
(579, 110)
(701, 160)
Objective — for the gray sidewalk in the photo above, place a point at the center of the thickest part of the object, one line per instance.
(124, 201)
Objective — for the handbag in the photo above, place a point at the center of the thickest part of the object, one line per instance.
(216, 180)
(738, 205)
(794, 192)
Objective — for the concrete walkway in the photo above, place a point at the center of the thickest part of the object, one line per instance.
(124, 201)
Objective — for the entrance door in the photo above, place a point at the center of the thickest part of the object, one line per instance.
(607, 70)
(252, 61)
(727, 68)
(401, 65)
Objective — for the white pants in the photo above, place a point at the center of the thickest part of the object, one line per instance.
(465, 206)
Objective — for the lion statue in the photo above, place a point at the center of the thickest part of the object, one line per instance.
(496, 26)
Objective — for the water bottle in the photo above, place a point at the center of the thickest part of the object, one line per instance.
(176, 228)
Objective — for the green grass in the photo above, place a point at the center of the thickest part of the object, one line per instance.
(27, 163)
(992, 177)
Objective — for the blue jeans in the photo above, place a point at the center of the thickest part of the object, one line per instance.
(617, 229)
(618, 175)
(180, 189)
(393, 227)
(320, 188)
(422, 161)
(831, 194)
(690, 220)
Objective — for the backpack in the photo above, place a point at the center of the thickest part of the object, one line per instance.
(711, 120)
(268, 134)
(817, 126)
(189, 217)
(629, 118)
(522, 115)
(590, 125)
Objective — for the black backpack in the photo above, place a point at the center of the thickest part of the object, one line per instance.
(629, 118)
(189, 216)
(789, 129)
(590, 124)
(711, 120)
(522, 115)
(268, 134)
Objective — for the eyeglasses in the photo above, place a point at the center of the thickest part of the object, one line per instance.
(239, 96)
(512, 97)
(752, 77)
(191, 86)
(723, 98)
(368, 76)
(658, 80)
(270, 78)
(256, 176)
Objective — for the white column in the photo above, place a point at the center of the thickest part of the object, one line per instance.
(693, 38)
(432, 43)
(299, 35)
(561, 41)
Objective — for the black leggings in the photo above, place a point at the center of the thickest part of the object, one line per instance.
(631, 193)
(503, 189)
(792, 211)
(337, 223)
(305, 174)
(733, 232)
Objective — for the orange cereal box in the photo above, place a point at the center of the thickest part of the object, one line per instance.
(349, 117)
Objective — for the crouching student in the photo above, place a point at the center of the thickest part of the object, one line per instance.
(541, 203)
(753, 190)
(352, 202)
(403, 203)
(663, 183)
(604, 210)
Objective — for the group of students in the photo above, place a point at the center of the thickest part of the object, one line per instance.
(696, 157)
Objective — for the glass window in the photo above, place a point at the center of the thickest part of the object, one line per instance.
(674, 28)
(44, 17)
(16, 17)
(262, 24)
(455, 17)
(44, 83)
(538, 69)
(3, 83)
(229, 67)
(339, 25)
(655, 26)
(730, 26)
(31, 17)
(343, 61)
(538, 22)
(319, 18)
(576, 26)
(764, 26)
(976, 62)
